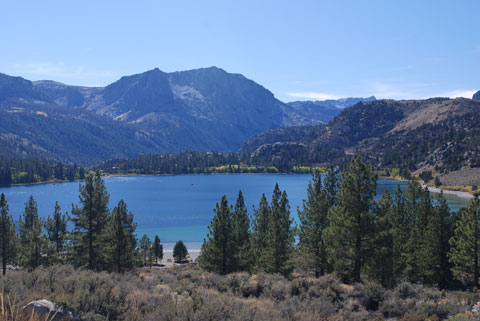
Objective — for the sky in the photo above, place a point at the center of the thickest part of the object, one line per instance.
(299, 50)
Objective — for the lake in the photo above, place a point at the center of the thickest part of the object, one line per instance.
(178, 207)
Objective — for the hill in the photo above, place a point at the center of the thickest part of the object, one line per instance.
(439, 135)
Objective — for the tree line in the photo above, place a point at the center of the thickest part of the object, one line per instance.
(200, 163)
(24, 171)
(407, 236)
(100, 238)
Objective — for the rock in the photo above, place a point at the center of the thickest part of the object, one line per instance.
(476, 96)
(476, 310)
(47, 310)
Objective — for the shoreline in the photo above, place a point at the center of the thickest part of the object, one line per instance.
(143, 175)
(438, 190)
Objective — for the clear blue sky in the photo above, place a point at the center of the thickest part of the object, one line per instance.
(297, 49)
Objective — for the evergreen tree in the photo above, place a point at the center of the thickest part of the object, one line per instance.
(91, 224)
(145, 244)
(350, 235)
(8, 237)
(81, 173)
(331, 186)
(59, 171)
(241, 235)
(401, 226)
(437, 236)
(71, 172)
(465, 244)
(157, 249)
(56, 227)
(122, 237)
(151, 256)
(259, 235)
(31, 240)
(419, 259)
(276, 255)
(218, 249)
(180, 252)
(313, 221)
(382, 263)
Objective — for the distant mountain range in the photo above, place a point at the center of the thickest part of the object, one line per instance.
(205, 109)
(323, 110)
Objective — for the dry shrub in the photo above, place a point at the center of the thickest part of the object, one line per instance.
(187, 293)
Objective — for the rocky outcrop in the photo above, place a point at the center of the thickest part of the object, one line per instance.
(476, 96)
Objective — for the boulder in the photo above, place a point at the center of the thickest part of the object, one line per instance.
(46, 310)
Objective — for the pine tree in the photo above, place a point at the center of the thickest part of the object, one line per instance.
(382, 263)
(145, 244)
(218, 249)
(436, 247)
(331, 186)
(180, 252)
(313, 221)
(350, 234)
(465, 244)
(419, 259)
(8, 237)
(151, 256)
(259, 235)
(241, 236)
(32, 243)
(91, 224)
(276, 255)
(157, 249)
(401, 226)
(56, 227)
(122, 238)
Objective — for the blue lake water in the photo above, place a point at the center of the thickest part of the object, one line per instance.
(178, 207)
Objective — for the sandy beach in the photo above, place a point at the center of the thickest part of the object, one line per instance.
(449, 192)
(167, 260)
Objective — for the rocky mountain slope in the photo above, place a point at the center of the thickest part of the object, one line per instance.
(439, 134)
(205, 109)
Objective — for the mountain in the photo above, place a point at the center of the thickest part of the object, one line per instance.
(321, 111)
(476, 96)
(439, 135)
(204, 109)
(33, 125)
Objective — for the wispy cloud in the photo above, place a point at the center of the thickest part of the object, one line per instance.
(313, 95)
(59, 70)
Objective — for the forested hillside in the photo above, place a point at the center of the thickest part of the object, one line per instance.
(439, 135)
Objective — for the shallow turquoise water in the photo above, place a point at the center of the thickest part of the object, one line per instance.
(177, 207)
